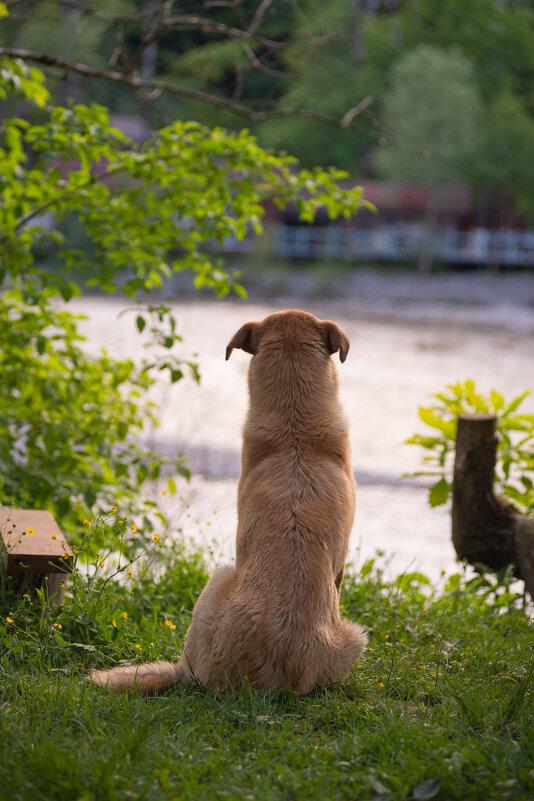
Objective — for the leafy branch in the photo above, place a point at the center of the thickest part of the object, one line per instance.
(515, 455)
(138, 82)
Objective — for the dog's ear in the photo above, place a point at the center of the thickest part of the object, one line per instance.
(243, 339)
(336, 340)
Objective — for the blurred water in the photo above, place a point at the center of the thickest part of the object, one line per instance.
(403, 349)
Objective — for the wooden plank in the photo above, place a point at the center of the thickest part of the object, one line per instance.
(33, 542)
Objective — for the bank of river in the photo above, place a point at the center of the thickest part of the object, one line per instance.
(402, 351)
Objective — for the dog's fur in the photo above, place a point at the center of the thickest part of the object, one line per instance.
(274, 618)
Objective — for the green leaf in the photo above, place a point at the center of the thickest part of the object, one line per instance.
(427, 790)
(439, 493)
(447, 427)
(140, 323)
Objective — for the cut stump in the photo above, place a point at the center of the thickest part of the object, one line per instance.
(34, 552)
(487, 530)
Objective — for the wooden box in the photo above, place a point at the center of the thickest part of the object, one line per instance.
(34, 552)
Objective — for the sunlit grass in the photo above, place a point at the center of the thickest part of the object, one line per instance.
(440, 705)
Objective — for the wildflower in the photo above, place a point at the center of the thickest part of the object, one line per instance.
(137, 645)
(114, 509)
(170, 624)
(120, 522)
(208, 523)
(65, 555)
(381, 684)
(122, 598)
(75, 551)
(102, 564)
(9, 620)
(54, 537)
(124, 615)
(443, 572)
(130, 573)
(58, 626)
(62, 585)
(424, 611)
(163, 492)
(113, 623)
(86, 523)
(157, 537)
(134, 528)
(181, 497)
(432, 646)
(30, 531)
(386, 636)
(342, 606)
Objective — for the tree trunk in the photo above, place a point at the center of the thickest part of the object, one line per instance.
(485, 529)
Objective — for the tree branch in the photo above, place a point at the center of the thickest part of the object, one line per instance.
(158, 86)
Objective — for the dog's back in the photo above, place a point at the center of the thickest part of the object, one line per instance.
(274, 618)
(295, 507)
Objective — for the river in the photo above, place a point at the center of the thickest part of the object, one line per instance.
(409, 338)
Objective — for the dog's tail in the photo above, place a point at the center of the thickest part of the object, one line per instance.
(146, 678)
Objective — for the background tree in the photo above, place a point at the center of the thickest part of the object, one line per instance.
(433, 108)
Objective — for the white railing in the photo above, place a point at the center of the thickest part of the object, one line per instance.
(403, 242)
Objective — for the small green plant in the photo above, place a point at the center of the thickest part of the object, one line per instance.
(514, 471)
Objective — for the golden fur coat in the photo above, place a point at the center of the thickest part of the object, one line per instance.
(274, 617)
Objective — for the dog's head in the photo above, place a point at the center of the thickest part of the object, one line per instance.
(290, 328)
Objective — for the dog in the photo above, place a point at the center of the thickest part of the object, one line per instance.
(273, 619)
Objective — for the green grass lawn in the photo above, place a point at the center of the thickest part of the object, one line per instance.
(441, 705)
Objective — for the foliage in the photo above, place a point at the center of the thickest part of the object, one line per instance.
(431, 709)
(67, 420)
(432, 108)
(515, 454)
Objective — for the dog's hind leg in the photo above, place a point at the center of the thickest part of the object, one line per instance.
(197, 655)
(329, 661)
(195, 662)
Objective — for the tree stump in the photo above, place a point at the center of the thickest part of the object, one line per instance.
(34, 553)
(487, 530)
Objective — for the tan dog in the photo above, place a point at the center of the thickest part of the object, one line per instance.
(274, 618)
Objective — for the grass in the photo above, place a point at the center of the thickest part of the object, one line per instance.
(441, 705)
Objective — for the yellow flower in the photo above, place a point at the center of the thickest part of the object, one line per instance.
(75, 551)
(432, 646)
(157, 537)
(130, 573)
(137, 645)
(342, 606)
(134, 528)
(122, 598)
(181, 497)
(386, 636)
(65, 555)
(114, 509)
(8, 620)
(124, 615)
(54, 537)
(120, 522)
(62, 586)
(208, 523)
(163, 492)
(58, 626)
(381, 684)
(114, 624)
(170, 624)
(86, 523)
(30, 531)
(102, 564)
